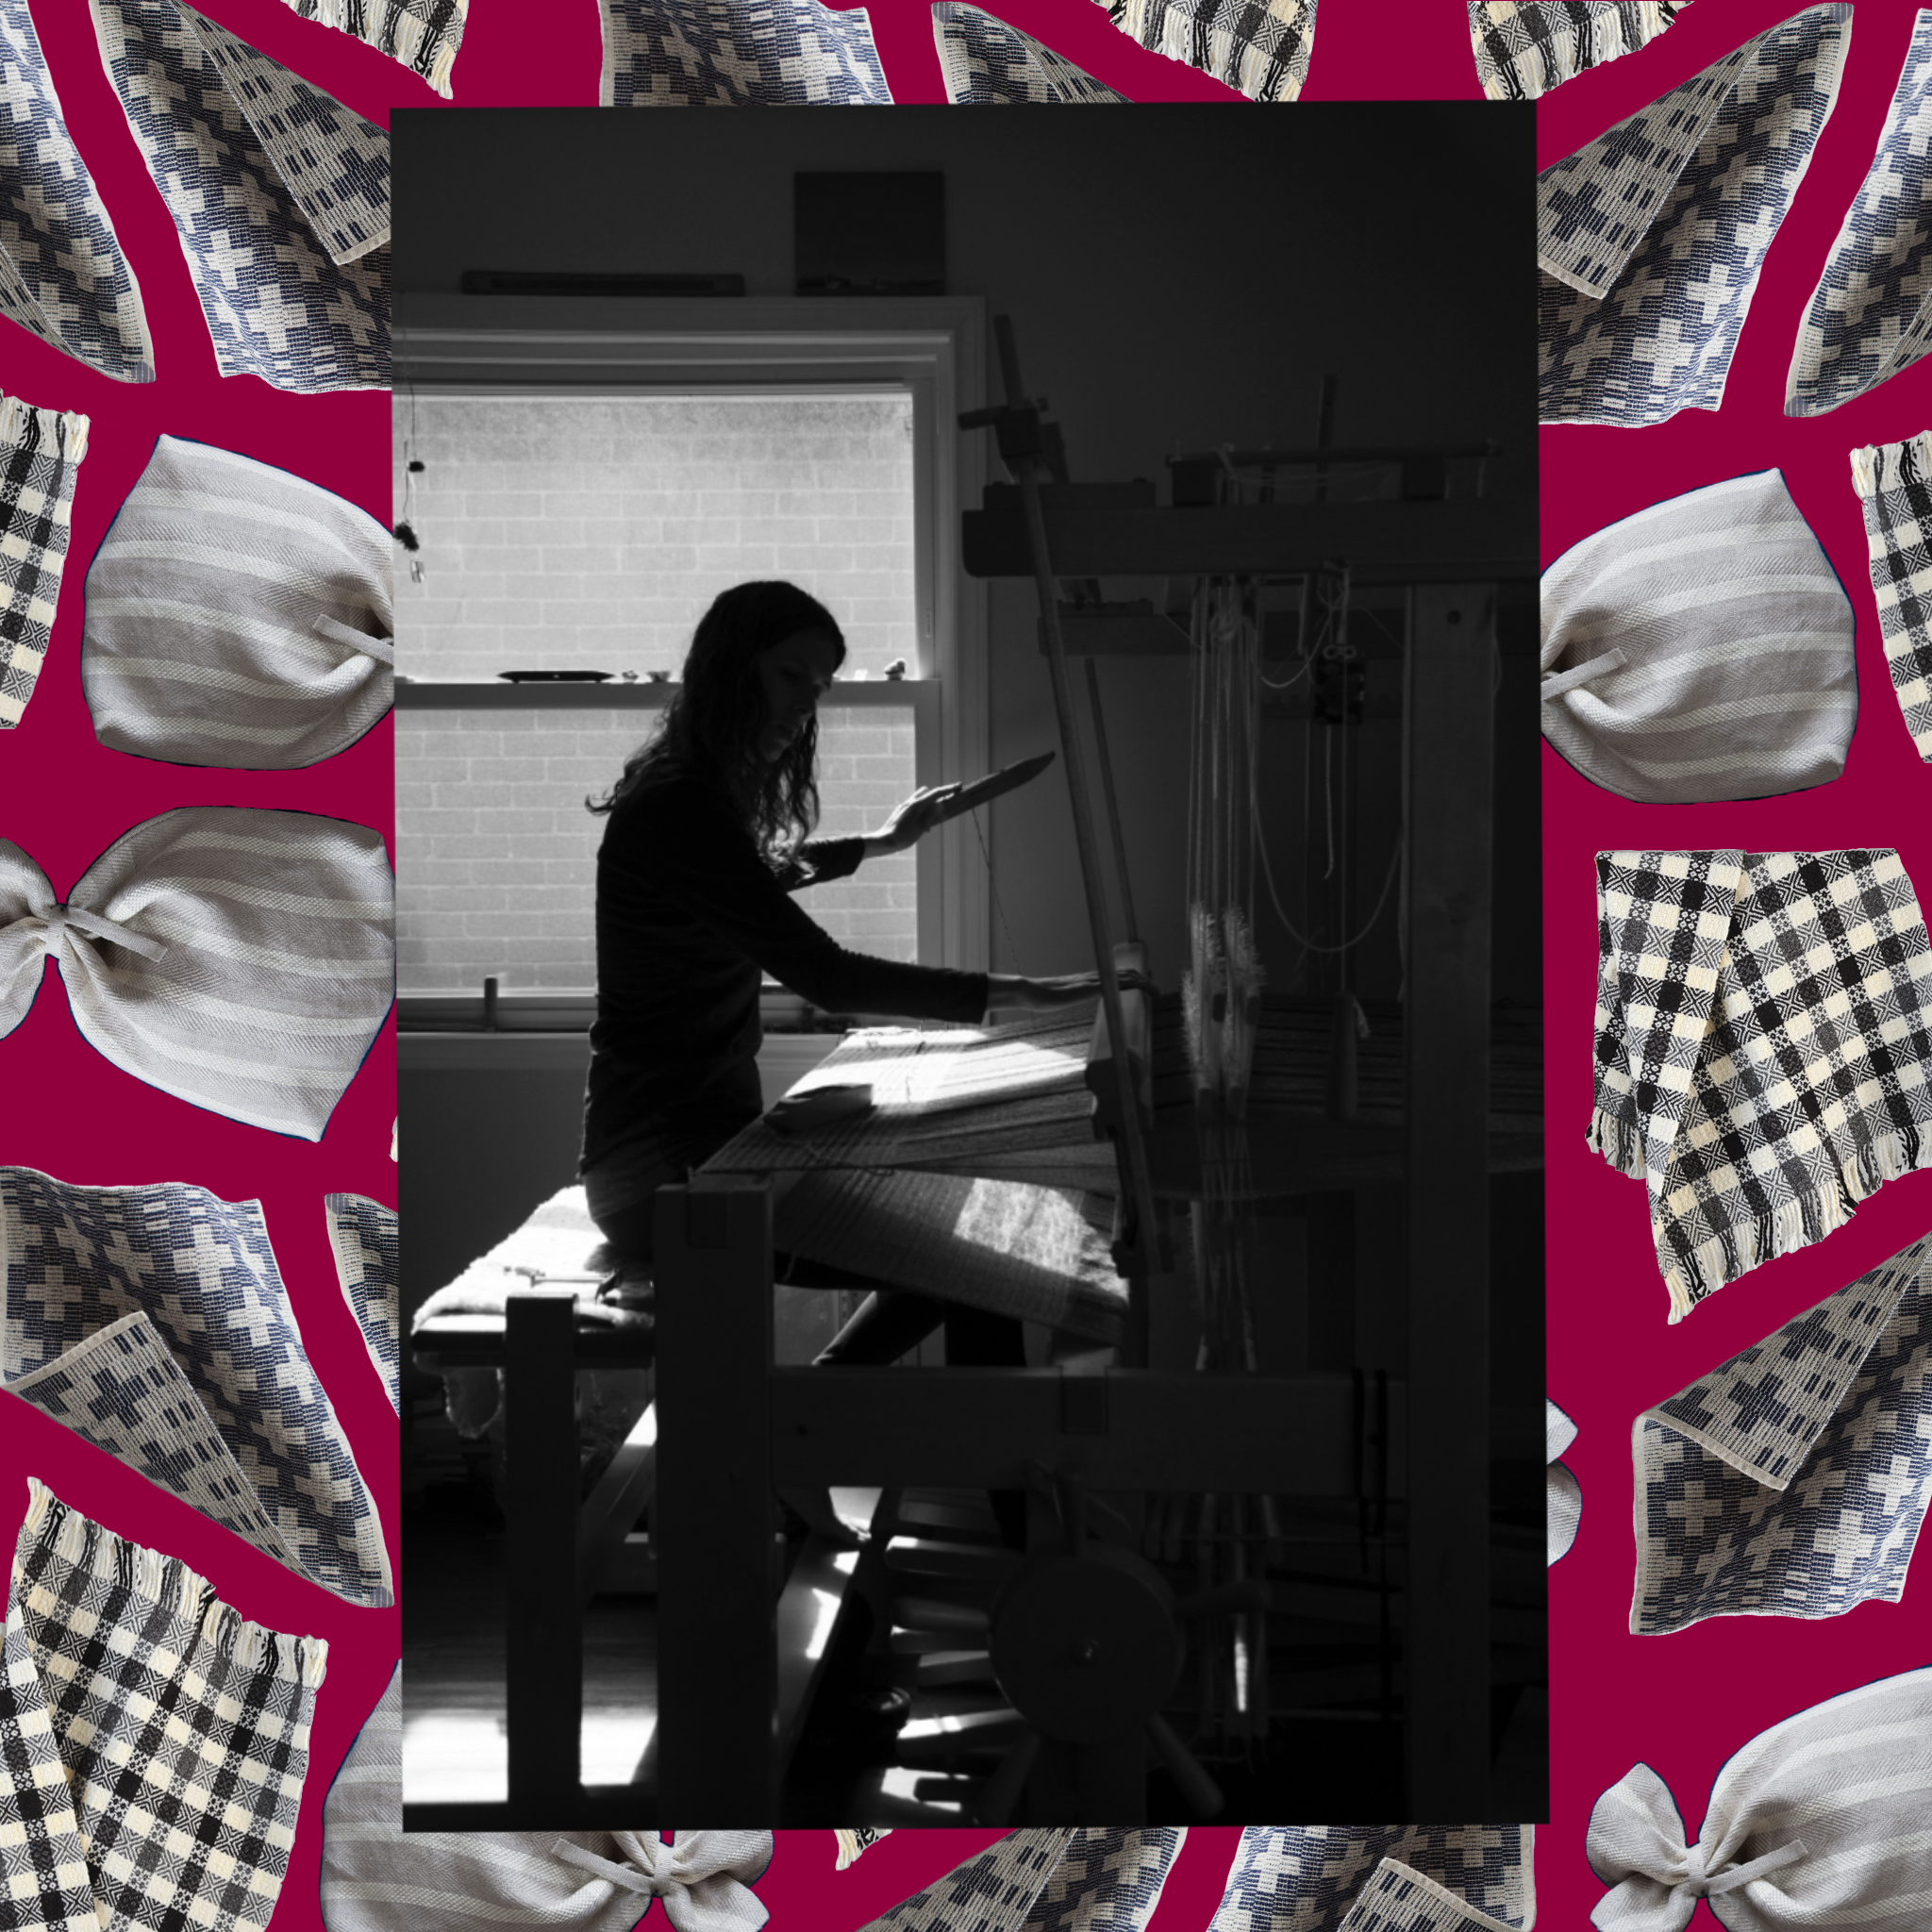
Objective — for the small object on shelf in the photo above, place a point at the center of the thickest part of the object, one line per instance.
(555, 677)
(628, 676)
(659, 677)
(896, 668)
(817, 1107)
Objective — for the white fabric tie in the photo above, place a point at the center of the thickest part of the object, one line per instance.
(382, 649)
(55, 919)
(1557, 682)
(704, 1879)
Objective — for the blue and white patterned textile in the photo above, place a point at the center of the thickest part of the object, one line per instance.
(62, 274)
(362, 1234)
(987, 63)
(1399, 1899)
(1306, 1877)
(1109, 1880)
(1523, 48)
(153, 1321)
(1651, 239)
(1793, 1480)
(739, 53)
(1259, 47)
(425, 35)
(280, 196)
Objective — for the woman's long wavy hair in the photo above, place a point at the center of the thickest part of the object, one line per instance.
(713, 721)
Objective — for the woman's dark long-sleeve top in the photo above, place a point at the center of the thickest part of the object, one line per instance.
(688, 916)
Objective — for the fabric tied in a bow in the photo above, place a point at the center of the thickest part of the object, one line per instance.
(240, 959)
(237, 616)
(704, 1879)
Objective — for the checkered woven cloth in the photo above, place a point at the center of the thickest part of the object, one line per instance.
(986, 62)
(1651, 239)
(739, 53)
(152, 1743)
(1525, 47)
(425, 35)
(857, 1841)
(1763, 1047)
(1793, 1480)
(280, 196)
(1314, 1877)
(1259, 47)
(1109, 1879)
(62, 274)
(1399, 1899)
(1894, 485)
(1871, 313)
(154, 1323)
(40, 453)
(363, 1234)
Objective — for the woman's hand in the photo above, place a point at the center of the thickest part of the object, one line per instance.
(1046, 995)
(912, 820)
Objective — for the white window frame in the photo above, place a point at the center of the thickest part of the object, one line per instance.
(933, 349)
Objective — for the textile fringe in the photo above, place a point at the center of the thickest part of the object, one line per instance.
(1618, 1140)
(1603, 38)
(1892, 465)
(169, 1583)
(64, 430)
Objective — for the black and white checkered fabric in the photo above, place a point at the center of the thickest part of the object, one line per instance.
(739, 53)
(364, 1236)
(425, 35)
(987, 63)
(1651, 239)
(1870, 315)
(155, 1322)
(1763, 1047)
(152, 1743)
(1792, 1481)
(1309, 1877)
(62, 274)
(278, 192)
(40, 452)
(1523, 48)
(1259, 47)
(1894, 485)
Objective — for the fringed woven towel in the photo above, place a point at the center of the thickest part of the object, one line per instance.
(40, 452)
(62, 274)
(240, 959)
(1819, 1820)
(154, 1323)
(1379, 1878)
(362, 1234)
(739, 53)
(986, 62)
(425, 35)
(1259, 47)
(1651, 239)
(1523, 48)
(1894, 485)
(1701, 649)
(237, 616)
(852, 1843)
(152, 1743)
(1563, 1498)
(1763, 1047)
(279, 193)
(1871, 313)
(1792, 1481)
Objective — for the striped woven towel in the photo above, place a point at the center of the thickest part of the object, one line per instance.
(40, 452)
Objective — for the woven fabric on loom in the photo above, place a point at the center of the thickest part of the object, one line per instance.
(1763, 1047)
(363, 1233)
(62, 274)
(1523, 48)
(1259, 47)
(40, 452)
(1894, 485)
(1651, 239)
(153, 1321)
(986, 62)
(1792, 1481)
(152, 1743)
(279, 193)
(425, 35)
(739, 53)
(1307, 1878)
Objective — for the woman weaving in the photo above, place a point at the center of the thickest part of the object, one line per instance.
(706, 840)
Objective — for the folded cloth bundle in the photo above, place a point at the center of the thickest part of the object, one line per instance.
(1379, 1878)
(1871, 313)
(1259, 47)
(1650, 240)
(62, 274)
(986, 62)
(1819, 1820)
(739, 53)
(237, 616)
(425, 35)
(1563, 1498)
(1792, 1480)
(40, 452)
(362, 1234)
(1525, 47)
(242, 960)
(154, 1323)
(279, 193)
(1763, 1047)
(1894, 485)
(152, 1743)
(1701, 649)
